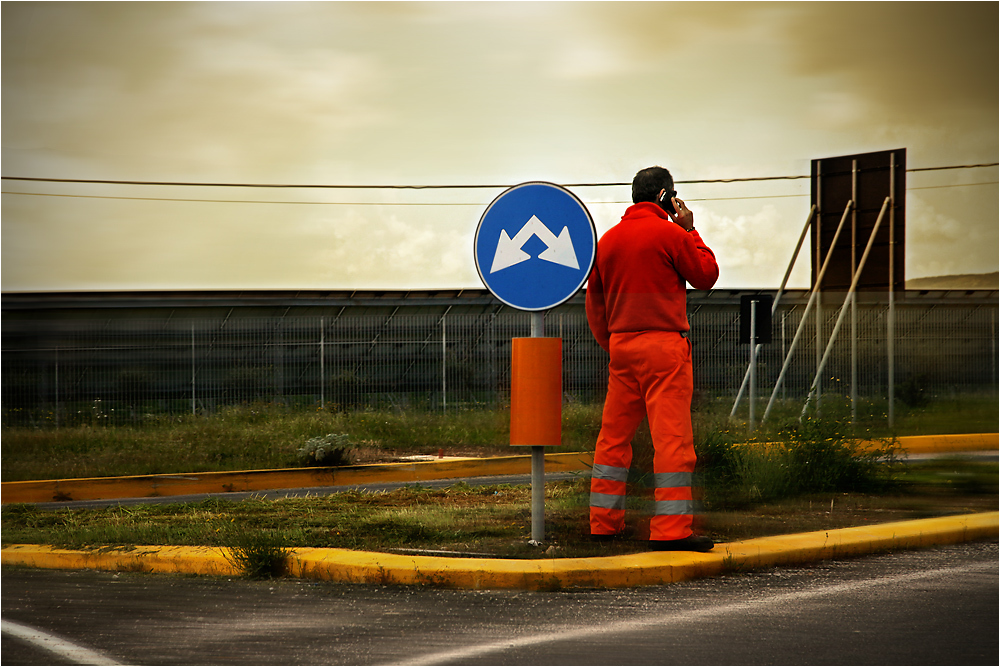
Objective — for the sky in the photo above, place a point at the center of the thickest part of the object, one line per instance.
(478, 94)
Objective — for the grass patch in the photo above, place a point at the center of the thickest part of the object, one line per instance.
(267, 436)
(930, 414)
(491, 519)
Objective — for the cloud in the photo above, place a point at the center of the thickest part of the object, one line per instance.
(581, 61)
(919, 74)
(375, 247)
(180, 89)
(912, 57)
(940, 244)
(752, 250)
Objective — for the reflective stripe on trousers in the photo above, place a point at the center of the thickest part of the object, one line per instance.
(673, 506)
(607, 497)
(649, 375)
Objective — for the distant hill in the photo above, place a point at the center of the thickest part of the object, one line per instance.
(961, 281)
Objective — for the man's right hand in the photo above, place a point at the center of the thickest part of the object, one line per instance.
(684, 218)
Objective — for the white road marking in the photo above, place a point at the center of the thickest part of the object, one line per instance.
(578, 633)
(53, 644)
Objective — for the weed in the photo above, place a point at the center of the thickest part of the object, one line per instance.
(258, 554)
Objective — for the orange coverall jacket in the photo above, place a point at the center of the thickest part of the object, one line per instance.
(642, 263)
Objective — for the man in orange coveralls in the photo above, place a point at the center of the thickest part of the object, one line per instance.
(637, 310)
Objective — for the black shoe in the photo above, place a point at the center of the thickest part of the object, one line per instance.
(613, 537)
(694, 543)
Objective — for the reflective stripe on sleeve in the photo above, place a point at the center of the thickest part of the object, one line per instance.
(607, 501)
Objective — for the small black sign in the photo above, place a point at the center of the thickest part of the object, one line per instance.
(762, 317)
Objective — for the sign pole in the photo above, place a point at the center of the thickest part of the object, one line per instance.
(537, 459)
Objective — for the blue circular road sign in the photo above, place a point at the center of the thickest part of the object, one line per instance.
(535, 246)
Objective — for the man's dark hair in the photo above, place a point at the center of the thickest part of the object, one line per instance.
(647, 184)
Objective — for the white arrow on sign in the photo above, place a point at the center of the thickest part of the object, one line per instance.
(559, 249)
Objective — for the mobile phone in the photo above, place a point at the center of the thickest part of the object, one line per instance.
(666, 201)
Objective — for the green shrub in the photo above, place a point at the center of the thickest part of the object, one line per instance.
(333, 449)
(824, 457)
(763, 472)
(814, 456)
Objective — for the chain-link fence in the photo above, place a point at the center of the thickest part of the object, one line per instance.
(63, 371)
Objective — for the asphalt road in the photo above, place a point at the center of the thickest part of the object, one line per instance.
(936, 606)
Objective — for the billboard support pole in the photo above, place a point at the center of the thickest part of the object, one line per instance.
(819, 293)
(854, 295)
(843, 308)
(774, 308)
(890, 334)
(812, 300)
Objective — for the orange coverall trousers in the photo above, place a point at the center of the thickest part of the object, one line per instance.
(649, 374)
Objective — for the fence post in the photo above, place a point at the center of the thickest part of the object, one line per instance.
(57, 387)
(753, 362)
(784, 314)
(192, 371)
(322, 364)
(444, 364)
(993, 344)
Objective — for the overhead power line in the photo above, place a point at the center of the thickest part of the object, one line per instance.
(340, 186)
(375, 203)
(351, 203)
(958, 166)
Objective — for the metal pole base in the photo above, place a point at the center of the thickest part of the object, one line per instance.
(537, 495)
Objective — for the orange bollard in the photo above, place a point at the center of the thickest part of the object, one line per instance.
(536, 391)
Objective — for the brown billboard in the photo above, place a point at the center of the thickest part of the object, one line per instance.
(866, 179)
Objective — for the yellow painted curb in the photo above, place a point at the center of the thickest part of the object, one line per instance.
(148, 486)
(171, 560)
(960, 442)
(341, 565)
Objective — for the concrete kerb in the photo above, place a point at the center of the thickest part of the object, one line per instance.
(643, 569)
